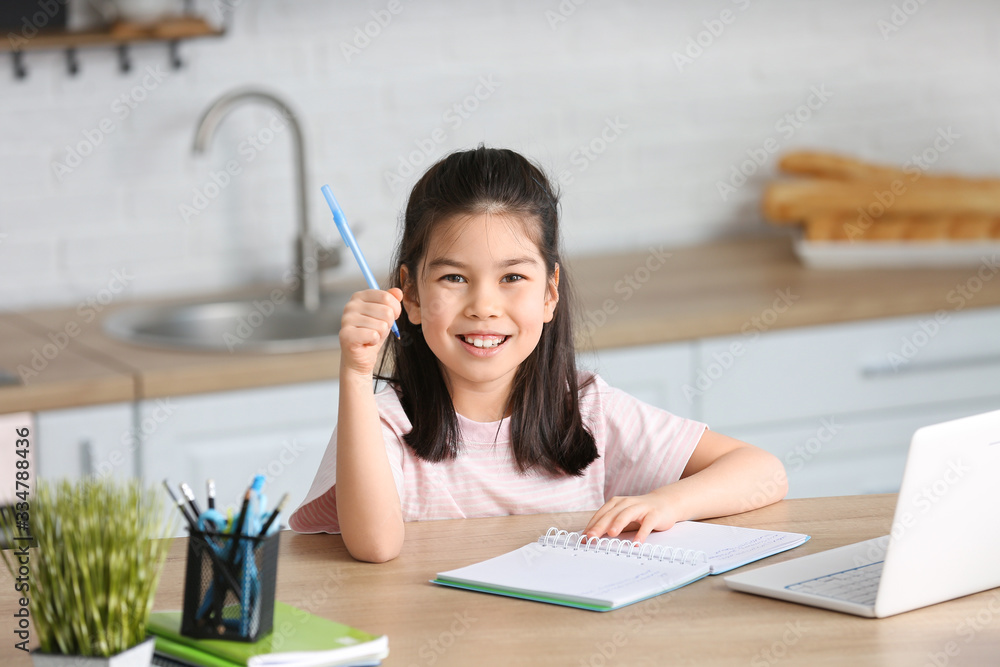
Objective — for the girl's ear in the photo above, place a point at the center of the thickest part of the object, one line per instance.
(411, 301)
(551, 295)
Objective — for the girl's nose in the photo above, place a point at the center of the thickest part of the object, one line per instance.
(484, 302)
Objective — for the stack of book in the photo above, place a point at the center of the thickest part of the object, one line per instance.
(299, 639)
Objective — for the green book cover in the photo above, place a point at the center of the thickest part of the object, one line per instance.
(189, 655)
(298, 638)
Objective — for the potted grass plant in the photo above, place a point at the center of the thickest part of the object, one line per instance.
(94, 571)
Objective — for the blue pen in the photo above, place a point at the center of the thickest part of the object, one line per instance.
(248, 571)
(352, 243)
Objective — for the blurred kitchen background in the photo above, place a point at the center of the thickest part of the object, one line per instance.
(643, 112)
(559, 72)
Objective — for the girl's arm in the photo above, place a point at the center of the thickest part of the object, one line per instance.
(723, 476)
(368, 508)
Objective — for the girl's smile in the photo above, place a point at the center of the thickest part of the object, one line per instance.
(484, 344)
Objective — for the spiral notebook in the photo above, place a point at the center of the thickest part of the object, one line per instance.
(566, 568)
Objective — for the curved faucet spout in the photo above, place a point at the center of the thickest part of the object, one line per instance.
(306, 249)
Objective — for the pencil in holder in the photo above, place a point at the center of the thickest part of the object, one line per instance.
(229, 586)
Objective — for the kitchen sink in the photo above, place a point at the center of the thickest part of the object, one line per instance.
(250, 325)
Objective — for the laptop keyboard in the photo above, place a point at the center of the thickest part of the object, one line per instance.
(858, 585)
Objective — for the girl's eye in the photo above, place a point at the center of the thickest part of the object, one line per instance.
(512, 278)
(453, 278)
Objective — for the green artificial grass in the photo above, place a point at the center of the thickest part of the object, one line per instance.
(92, 577)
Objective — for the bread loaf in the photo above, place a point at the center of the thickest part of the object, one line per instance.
(845, 227)
(795, 201)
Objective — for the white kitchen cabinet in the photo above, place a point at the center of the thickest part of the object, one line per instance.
(849, 454)
(75, 442)
(872, 366)
(280, 432)
(654, 374)
(837, 403)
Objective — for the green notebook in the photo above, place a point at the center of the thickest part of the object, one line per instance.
(299, 639)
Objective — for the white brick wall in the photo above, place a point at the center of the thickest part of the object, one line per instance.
(60, 239)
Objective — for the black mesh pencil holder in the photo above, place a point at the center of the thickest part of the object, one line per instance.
(229, 586)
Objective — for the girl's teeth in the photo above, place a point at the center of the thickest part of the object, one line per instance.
(483, 342)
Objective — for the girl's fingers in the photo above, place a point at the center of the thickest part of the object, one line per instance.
(360, 331)
(359, 337)
(620, 514)
(367, 316)
(374, 303)
(622, 517)
(383, 301)
(625, 517)
(364, 326)
(392, 297)
(600, 522)
(598, 517)
(594, 519)
(645, 528)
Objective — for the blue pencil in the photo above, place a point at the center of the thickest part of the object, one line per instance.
(352, 243)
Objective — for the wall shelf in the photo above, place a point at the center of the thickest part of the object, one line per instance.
(121, 35)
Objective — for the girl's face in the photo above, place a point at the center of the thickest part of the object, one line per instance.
(481, 298)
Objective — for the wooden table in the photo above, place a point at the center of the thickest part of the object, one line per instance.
(701, 624)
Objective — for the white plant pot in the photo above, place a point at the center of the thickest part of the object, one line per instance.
(140, 655)
(143, 11)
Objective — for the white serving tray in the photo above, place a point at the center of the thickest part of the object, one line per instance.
(896, 254)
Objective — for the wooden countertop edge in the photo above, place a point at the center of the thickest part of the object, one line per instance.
(64, 395)
(659, 328)
(715, 290)
(100, 384)
(278, 369)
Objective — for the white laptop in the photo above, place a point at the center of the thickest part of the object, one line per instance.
(944, 541)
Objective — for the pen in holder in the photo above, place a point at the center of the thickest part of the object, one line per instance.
(229, 585)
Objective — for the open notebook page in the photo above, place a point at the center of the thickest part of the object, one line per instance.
(576, 577)
(726, 547)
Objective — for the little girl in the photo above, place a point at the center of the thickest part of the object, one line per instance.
(485, 413)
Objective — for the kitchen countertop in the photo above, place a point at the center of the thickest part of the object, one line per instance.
(656, 296)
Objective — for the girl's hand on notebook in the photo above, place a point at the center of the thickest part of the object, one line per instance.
(653, 511)
(365, 325)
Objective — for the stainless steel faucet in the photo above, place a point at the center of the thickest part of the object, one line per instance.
(307, 260)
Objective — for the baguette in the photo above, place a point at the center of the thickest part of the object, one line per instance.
(794, 201)
(841, 168)
(829, 165)
(845, 227)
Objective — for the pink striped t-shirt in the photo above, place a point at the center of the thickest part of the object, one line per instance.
(641, 449)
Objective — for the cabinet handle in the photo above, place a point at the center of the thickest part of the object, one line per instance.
(87, 457)
(884, 368)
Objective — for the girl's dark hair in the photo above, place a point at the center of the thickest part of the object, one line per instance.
(547, 430)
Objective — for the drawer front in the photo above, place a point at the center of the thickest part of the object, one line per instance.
(849, 454)
(877, 473)
(288, 457)
(280, 432)
(95, 440)
(805, 373)
(654, 374)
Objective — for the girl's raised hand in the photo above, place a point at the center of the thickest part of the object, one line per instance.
(366, 323)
